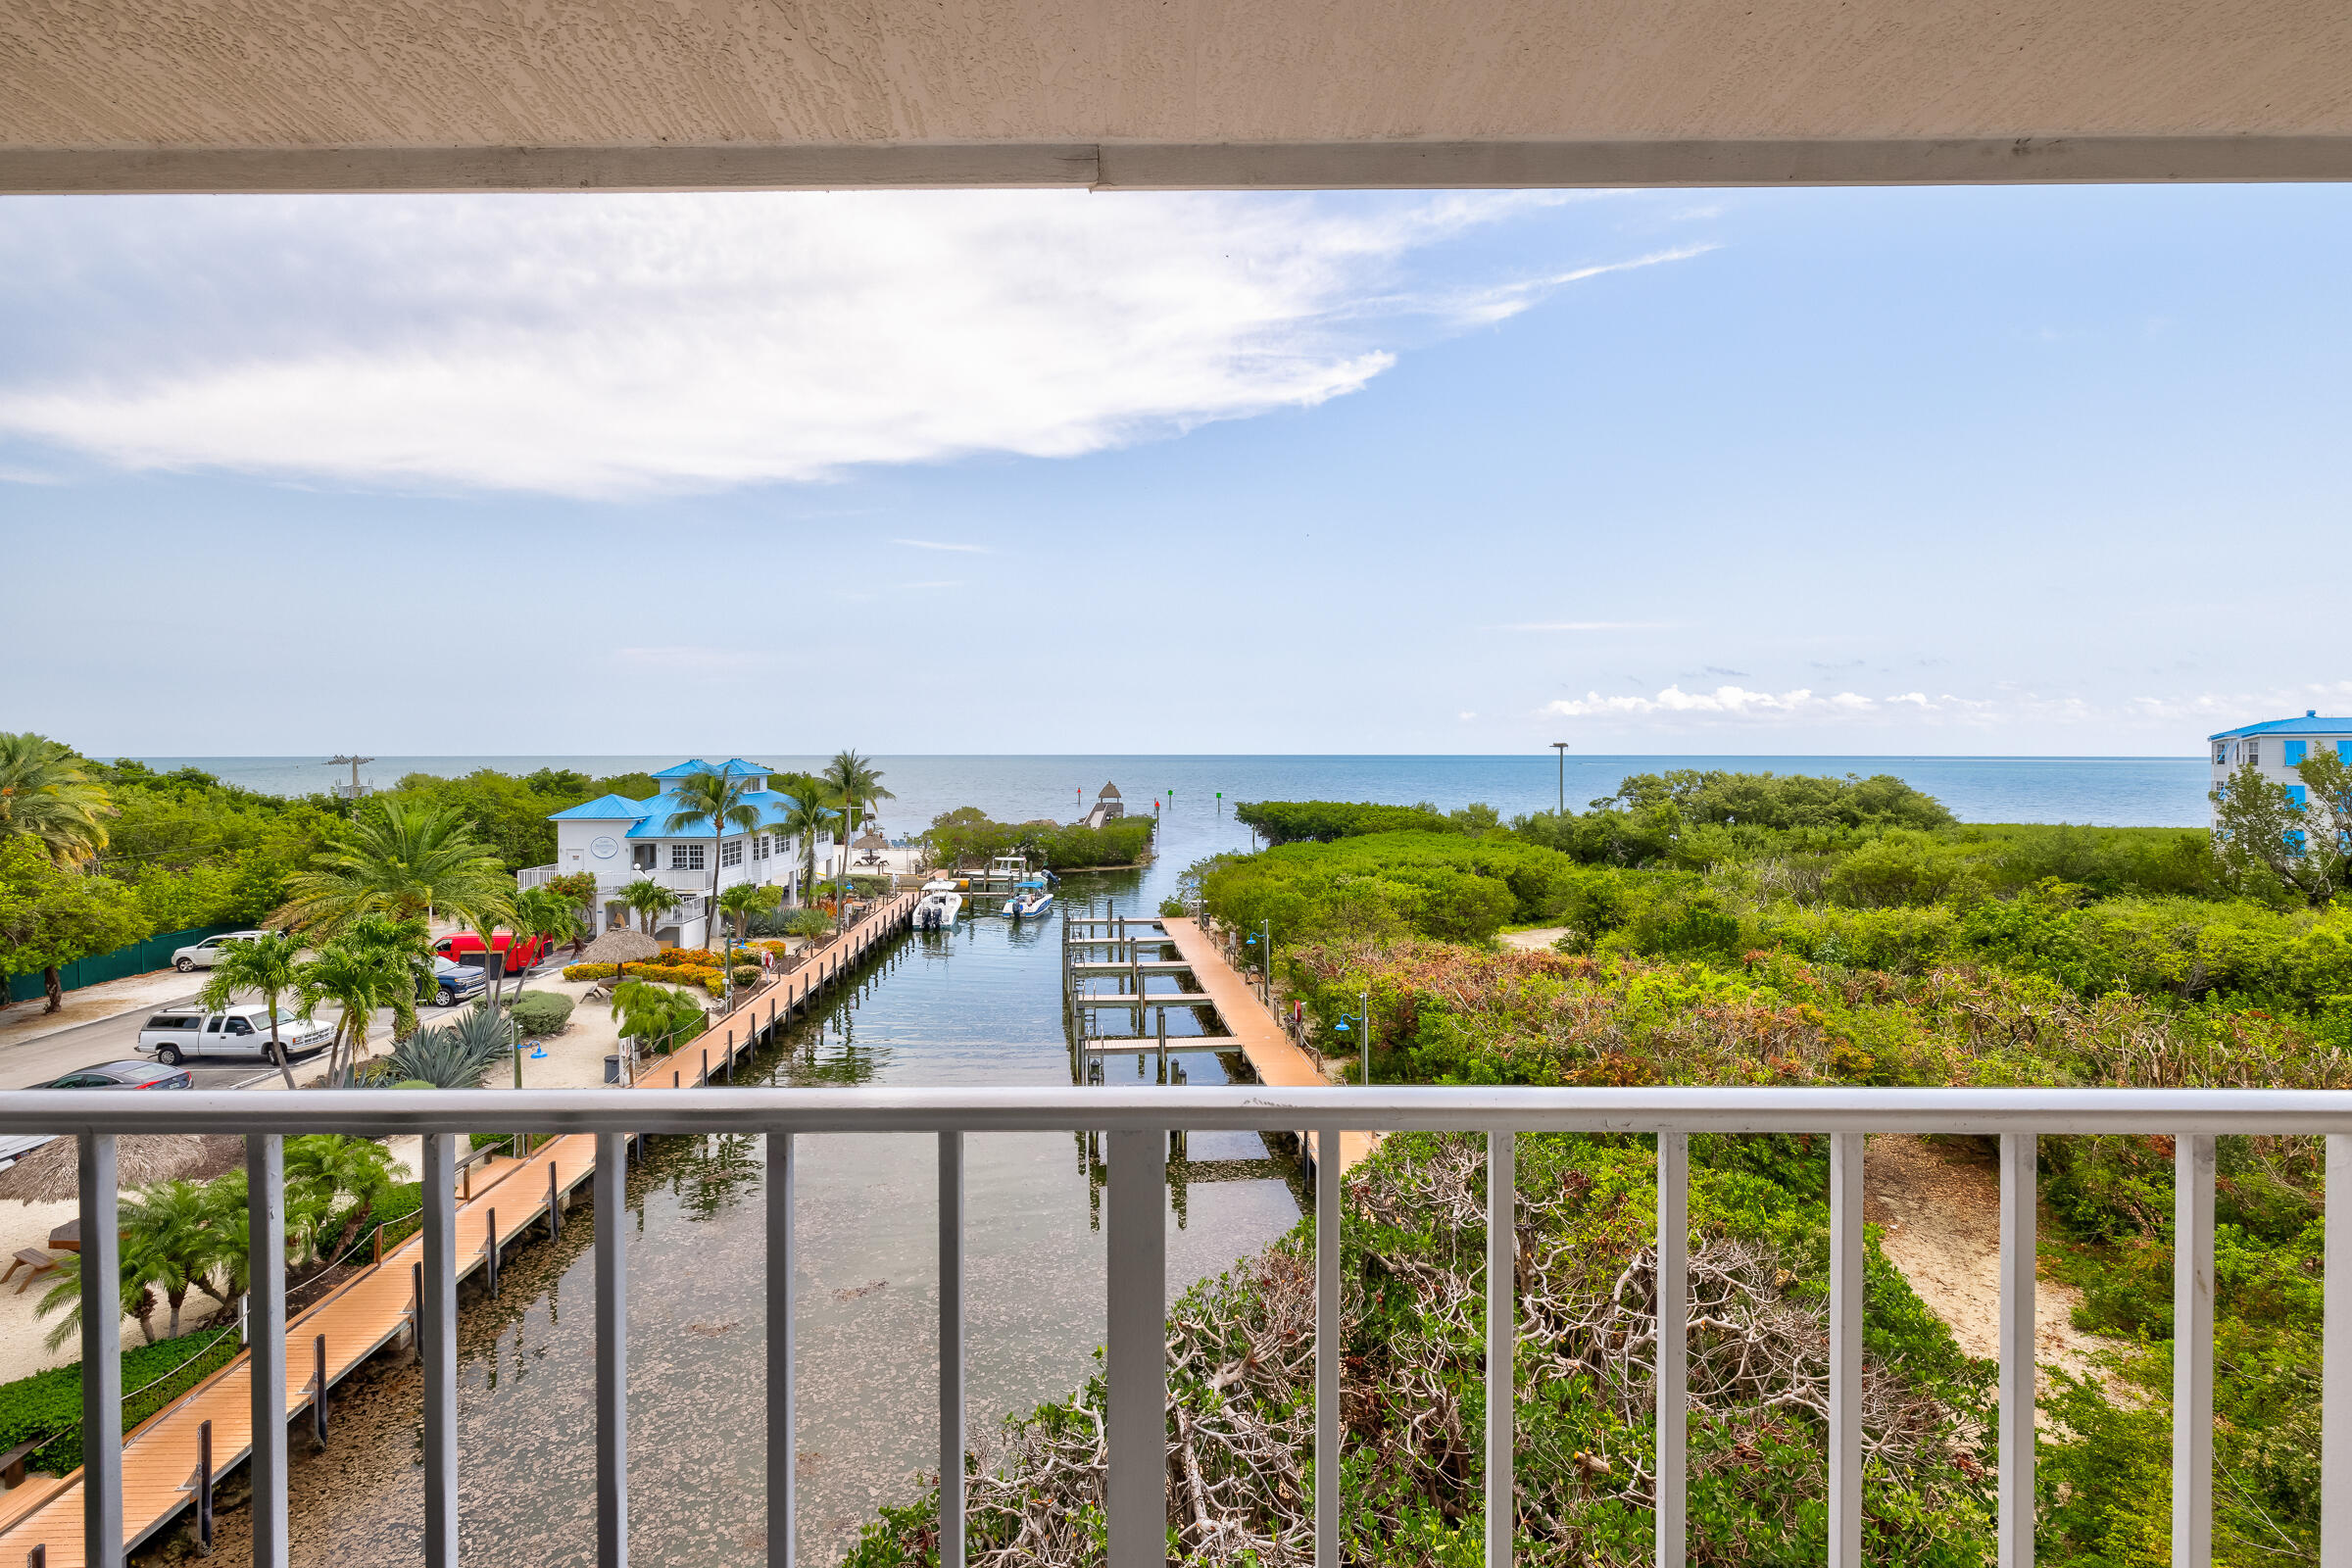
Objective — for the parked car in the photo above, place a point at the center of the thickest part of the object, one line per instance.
(463, 946)
(176, 1034)
(454, 983)
(204, 955)
(125, 1075)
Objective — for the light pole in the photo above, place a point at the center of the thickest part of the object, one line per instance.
(1561, 747)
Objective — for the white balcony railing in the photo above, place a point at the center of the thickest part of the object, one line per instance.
(1137, 1122)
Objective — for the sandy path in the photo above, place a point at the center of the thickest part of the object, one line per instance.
(1939, 1212)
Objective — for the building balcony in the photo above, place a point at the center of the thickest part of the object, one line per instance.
(1139, 1122)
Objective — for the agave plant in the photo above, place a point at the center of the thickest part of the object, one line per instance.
(452, 1056)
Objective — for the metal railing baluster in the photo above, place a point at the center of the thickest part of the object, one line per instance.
(781, 1437)
(1845, 1348)
(2192, 1351)
(2019, 1161)
(2335, 1363)
(101, 1353)
(611, 1351)
(440, 1348)
(1137, 1348)
(1674, 1342)
(1502, 1339)
(950, 1349)
(1329, 1331)
(266, 1334)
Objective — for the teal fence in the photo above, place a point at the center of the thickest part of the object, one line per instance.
(154, 952)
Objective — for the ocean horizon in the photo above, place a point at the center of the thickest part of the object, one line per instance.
(2100, 791)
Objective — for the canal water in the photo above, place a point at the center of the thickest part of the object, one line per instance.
(978, 1006)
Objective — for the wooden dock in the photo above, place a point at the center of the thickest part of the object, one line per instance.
(1251, 1027)
(374, 1308)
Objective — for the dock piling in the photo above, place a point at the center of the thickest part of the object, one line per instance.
(318, 1394)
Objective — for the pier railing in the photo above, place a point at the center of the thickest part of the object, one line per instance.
(1138, 1123)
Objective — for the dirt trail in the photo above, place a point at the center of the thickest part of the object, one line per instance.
(1939, 1212)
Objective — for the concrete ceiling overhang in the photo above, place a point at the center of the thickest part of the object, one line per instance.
(230, 95)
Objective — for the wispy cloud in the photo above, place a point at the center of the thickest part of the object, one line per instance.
(609, 346)
(1724, 701)
(1588, 625)
(1501, 301)
(941, 544)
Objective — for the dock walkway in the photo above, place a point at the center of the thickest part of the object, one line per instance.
(373, 1308)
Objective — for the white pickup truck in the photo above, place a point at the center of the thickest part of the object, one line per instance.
(184, 1033)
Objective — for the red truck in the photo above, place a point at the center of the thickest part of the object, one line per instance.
(466, 946)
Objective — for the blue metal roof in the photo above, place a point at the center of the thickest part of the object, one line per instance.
(617, 808)
(734, 767)
(2310, 723)
(772, 804)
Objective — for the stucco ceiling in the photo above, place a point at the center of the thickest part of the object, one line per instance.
(338, 94)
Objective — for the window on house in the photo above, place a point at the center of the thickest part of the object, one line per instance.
(731, 853)
(2253, 753)
(2298, 795)
(2220, 753)
(2294, 841)
(2296, 751)
(686, 858)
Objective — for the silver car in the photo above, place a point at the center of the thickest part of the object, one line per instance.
(184, 1033)
(204, 955)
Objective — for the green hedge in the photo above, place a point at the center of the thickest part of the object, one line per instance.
(50, 1402)
(1321, 821)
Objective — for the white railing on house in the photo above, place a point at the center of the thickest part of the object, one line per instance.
(1137, 1122)
(532, 876)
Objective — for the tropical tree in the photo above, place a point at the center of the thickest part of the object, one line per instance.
(747, 898)
(137, 1297)
(48, 796)
(808, 816)
(546, 915)
(378, 963)
(857, 784)
(169, 1227)
(270, 964)
(404, 859)
(51, 915)
(2300, 834)
(657, 1017)
(332, 1166)
(723, 800)
(580, 888)
(647, 898)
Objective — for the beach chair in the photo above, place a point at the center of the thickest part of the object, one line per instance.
(33, 1261)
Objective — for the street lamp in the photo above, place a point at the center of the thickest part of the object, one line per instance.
(1561, 747)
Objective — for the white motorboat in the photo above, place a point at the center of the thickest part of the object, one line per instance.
(939, 906)
(1030, 899)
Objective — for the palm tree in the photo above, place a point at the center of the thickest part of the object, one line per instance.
(723, 800)
(404, 859)
(335, 1166)
(359, 979)
(405, 950)
(47, 796)
(580, 888)
(807, 817)
(747, 898)
(269, 963)
(645, 899)
(546, 913)
(857, 784)
(172, 1225)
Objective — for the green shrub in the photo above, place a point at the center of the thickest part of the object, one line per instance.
(1321, 821)
(49, 1404)
(541, 1013)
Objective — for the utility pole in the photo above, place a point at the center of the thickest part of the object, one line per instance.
(1561, 747)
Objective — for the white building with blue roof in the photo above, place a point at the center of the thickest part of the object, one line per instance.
(623, 841)
(2275, 746)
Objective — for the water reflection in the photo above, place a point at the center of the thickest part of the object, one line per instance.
(980, 1004)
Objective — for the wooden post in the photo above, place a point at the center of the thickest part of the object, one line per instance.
(490, 1251)
(554, 1217)
(204, 1488)
(319, 1392)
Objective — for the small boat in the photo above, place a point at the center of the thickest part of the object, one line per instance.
(939, 907)
(1031, 897)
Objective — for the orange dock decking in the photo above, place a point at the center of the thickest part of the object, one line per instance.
(368, 1310)
(1261, 1039)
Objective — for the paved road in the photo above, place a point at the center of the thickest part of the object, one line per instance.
(37, 1062)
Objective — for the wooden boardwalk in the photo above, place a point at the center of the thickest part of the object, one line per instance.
(370, 1309)
(1263, 1040)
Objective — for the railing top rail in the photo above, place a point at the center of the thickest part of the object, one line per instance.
(1250, 1108)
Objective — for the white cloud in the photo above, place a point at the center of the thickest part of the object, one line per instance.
(938, 544)
(1501, 301)
(1724, 701)
(608, 346)
(1466, 716)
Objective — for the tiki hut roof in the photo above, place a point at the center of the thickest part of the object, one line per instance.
(51, 1173)
(871, 841)
(620, 945)
(1111, 792)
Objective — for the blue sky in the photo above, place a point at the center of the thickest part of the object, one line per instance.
(1955, 470)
